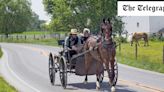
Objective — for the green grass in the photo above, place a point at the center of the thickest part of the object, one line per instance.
(1, 53)
(33, 33)
(51, 42)
(4, 86)
(149, 58)
(38, 33)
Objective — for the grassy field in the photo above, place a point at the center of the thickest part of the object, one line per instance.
(38, 32)
(149, 58)
(51, 42)
(4, 86)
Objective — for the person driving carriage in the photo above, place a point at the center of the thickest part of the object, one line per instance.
(72, 42)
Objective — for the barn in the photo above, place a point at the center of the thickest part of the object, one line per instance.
(148, 24)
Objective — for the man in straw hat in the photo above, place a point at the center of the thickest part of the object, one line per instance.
(72, 42)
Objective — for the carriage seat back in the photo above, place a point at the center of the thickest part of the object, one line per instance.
(61, 42)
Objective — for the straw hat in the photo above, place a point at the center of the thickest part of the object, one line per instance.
(86, 30)
(73, 31)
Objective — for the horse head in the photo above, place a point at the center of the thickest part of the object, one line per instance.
(106, 30)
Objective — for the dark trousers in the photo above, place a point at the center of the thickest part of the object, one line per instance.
(69, 54)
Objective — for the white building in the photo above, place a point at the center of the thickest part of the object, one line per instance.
(149, 24)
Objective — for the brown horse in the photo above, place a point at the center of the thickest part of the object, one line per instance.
(137, 36)
(103, 51)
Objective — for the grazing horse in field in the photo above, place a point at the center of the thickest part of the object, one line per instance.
(137, 36)
(103, 52)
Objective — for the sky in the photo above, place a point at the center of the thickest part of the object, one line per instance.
(38, 8)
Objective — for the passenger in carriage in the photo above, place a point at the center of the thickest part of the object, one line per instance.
(86, 35)
(72, 42)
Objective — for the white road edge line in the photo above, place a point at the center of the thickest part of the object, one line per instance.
(141, 70)
(17, 75)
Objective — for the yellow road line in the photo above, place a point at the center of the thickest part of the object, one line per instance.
(143, 86)
(42, 52)
(139, 85)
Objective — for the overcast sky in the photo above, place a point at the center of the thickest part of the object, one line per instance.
(38, 8)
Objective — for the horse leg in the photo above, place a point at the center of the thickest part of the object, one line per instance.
(86, 79)
(108, 71)
(112, 69)
(87, 65)
(98, 75)
(112, 61)
(101, 62)
(138, 43)
(145, 42)
(131, 43)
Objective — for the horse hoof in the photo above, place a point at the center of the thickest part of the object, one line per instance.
(85, 82)
(113, 89)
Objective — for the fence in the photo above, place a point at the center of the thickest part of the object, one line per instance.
(135, 52)
(35, 36)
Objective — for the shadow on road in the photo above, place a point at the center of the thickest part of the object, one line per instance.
(104, 87)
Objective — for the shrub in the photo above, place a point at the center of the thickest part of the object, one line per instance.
(120, 39)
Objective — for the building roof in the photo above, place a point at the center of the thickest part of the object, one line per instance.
(161, 30)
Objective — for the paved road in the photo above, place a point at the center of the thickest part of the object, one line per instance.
(26, 67)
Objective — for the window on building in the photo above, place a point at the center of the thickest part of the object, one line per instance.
(138, 24)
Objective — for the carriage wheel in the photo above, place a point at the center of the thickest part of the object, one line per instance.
(51, 69)
(63, 72)
(114, 82)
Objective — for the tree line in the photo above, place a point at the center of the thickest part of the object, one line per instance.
(78, 14)
(16, 16)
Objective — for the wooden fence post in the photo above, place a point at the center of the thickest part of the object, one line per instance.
(44, 36)
(12, 37)
(59, 35)
(17, 37)
(136, 51)
(25, 37)
(119, 47)
(34, 36)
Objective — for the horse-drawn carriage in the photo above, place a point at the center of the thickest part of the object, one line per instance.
(64, 64)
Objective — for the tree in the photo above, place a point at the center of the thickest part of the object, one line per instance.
(15, 16)
(82, 13)
(36, 23)
(60, 12)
